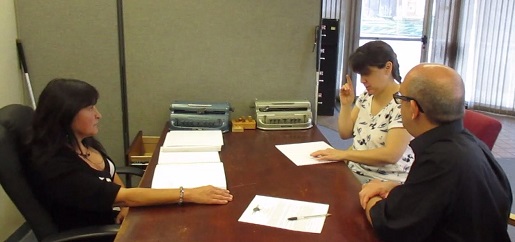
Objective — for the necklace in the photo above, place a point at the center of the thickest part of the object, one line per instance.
(85, 156)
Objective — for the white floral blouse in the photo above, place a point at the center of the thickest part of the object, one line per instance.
(370, 133)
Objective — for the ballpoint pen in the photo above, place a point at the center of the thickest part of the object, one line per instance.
(309, 216)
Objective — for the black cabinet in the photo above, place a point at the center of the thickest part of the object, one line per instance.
(328, 66)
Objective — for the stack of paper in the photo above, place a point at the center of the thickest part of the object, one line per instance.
(189, 175)
(190, 159)
(166, 157)
(193, 140)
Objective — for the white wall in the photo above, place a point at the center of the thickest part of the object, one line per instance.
(11, 91)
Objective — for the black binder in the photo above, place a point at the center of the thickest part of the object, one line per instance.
(328, 67)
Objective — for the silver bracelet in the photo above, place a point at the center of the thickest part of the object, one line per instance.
(181, 195)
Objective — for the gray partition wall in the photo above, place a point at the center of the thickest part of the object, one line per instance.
(76, 39)
(226, 50)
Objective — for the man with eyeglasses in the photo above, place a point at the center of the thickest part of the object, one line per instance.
(455, 191)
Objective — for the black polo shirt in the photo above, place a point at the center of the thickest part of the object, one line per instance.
(455, 191)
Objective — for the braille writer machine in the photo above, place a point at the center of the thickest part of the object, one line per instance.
(283, 115)
(186, 115)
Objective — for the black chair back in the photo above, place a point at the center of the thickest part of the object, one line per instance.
(15, 126)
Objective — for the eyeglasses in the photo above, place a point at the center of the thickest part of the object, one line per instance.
(399, 98)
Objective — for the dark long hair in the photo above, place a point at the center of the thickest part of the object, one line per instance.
(374, 53)
(58, 104)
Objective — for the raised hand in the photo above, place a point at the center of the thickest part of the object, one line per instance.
(347, 92)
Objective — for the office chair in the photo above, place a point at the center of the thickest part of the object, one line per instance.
(15, 121)
(486, 129)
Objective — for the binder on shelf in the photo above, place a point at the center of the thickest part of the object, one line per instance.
(327, 89)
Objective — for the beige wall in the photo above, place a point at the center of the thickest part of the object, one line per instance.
(11, 89)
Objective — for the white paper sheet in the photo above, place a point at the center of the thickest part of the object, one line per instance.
(299, 153)
(194, 140)
(187, 157)
(274, 212)
(189, 175)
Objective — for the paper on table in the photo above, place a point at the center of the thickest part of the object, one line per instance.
(189, 175)
(299, 153)
(188, 157)
(194, 140)
(274, 212)
(191, 148)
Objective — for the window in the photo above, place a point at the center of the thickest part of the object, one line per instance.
(486, 54)
(477, 38)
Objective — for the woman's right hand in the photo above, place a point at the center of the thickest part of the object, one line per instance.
(329, 154)
(347, 92)
(207, 195)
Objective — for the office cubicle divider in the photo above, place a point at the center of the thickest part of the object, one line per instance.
(143, 55)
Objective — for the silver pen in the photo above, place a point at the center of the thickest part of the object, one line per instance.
(309, 216)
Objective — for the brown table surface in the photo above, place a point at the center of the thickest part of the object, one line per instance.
(254, 166)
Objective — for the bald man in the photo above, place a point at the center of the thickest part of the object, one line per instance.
(455, 191)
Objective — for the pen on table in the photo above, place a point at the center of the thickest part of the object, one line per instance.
(309, 216)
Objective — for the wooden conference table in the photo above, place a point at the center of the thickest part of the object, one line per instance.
(254, 166)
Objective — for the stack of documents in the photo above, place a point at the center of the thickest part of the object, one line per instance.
(193, 140)
(166, 157)
(190, 158)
